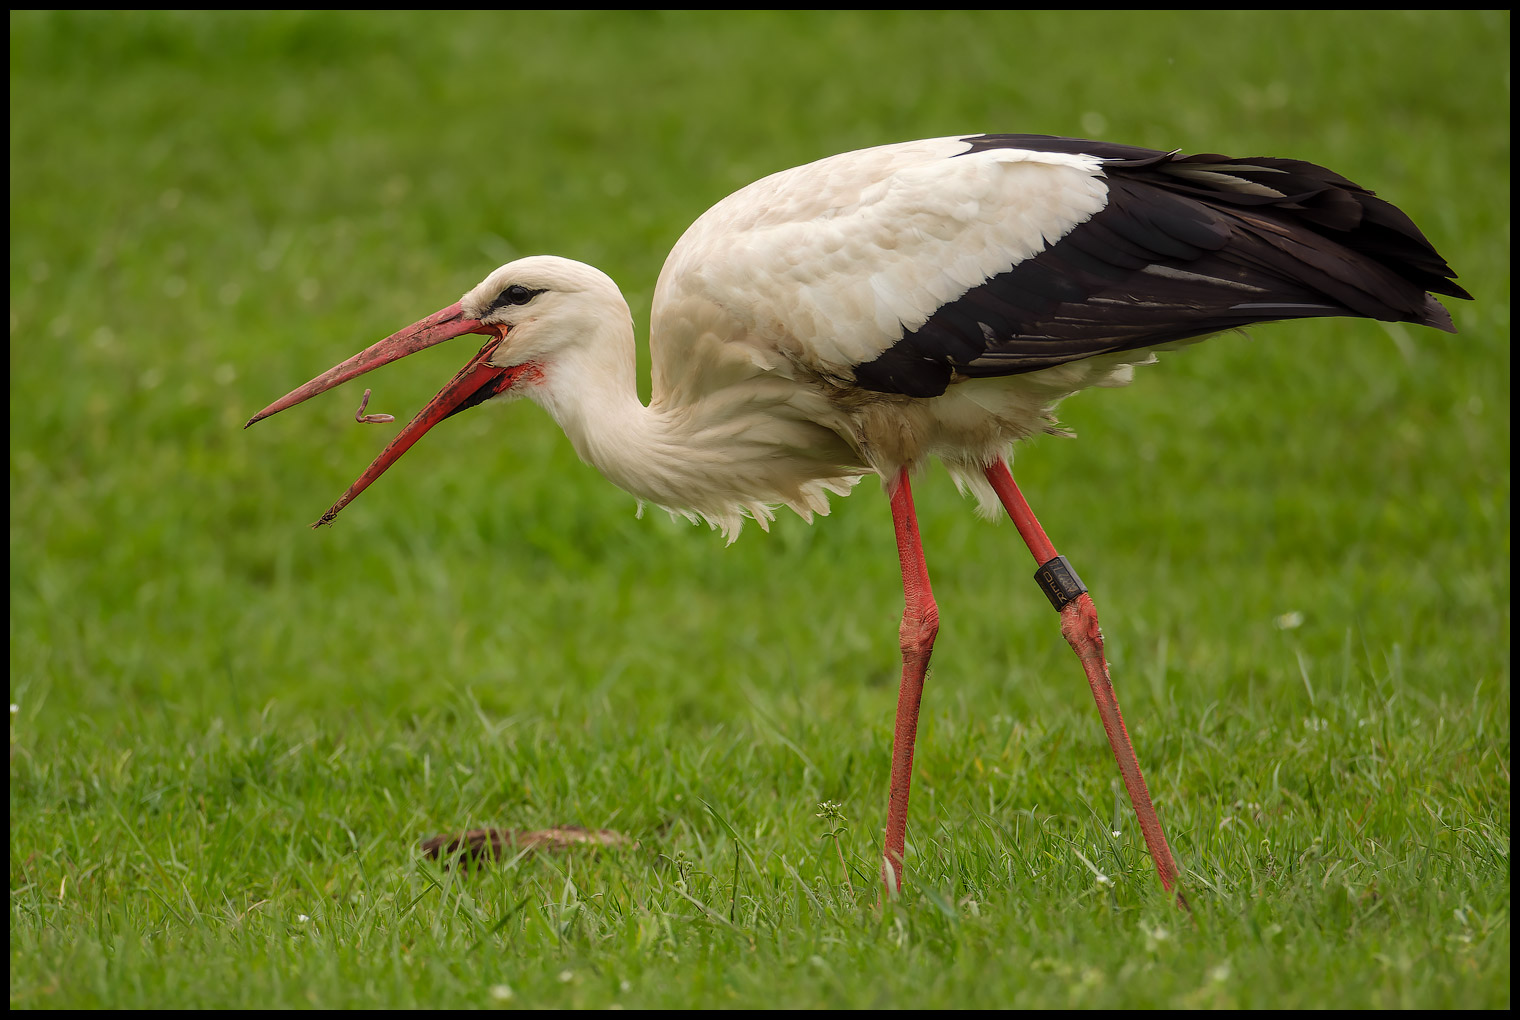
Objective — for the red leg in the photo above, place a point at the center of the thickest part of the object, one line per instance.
(920, 623)
(1079, 625)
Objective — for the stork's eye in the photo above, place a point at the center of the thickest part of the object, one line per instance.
(516, 294)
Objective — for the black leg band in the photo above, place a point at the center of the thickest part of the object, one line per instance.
(1059, 582)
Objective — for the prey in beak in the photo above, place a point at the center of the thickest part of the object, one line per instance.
(479, 380)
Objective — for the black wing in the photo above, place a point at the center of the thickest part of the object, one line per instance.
(1186, 246)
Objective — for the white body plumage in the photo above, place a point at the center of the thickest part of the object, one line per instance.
(769, 301)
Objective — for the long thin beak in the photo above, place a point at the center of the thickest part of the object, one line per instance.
(435, 329)
(477, 381)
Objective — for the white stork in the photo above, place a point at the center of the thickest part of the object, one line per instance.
(936, 298)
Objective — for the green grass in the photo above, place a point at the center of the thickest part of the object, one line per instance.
(228, 732)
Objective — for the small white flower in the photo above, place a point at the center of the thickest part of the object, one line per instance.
(501, 993)
(1104, 879)
(302, 919)
(566, 976)
(1116, 833)
(1290, 620)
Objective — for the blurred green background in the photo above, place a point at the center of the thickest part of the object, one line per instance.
(208, 209)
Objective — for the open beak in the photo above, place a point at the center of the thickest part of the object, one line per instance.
(477, 381)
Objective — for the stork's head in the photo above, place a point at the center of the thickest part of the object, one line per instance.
(536, 312)
(541, 308)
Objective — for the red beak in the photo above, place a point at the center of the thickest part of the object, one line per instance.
(477, 381)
